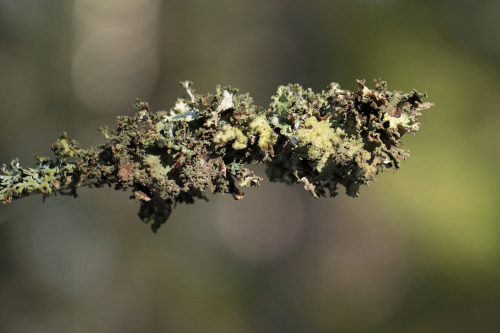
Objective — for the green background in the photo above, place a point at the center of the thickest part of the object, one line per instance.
(416, 252)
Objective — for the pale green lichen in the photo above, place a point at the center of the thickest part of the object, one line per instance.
(260, 127)
(230, 133)
(319, 140)
(205, 143)
(43, 179)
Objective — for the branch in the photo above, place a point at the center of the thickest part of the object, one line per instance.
(206, 142)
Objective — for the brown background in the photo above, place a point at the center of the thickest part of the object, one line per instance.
(417, 252)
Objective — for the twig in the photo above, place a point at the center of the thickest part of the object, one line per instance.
(206, 142)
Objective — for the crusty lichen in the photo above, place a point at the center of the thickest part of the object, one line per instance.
(205, 142)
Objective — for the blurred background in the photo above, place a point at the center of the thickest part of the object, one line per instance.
(417, 252)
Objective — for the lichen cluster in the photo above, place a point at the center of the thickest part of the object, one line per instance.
(206, 143)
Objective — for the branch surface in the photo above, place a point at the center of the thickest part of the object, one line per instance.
(208, 142)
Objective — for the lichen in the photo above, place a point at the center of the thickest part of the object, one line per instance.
(261, 127)
(319, 140)
(17, 181)
(230, 133)
(206, 143)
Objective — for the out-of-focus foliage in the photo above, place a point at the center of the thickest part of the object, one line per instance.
(416, 253)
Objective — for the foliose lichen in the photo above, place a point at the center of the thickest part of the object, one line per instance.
(205, 143)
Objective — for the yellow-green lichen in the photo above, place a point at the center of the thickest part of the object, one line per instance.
(229, 133)
(259, 125)
(403, 123)
(156, 167)
(320, 140)
(66, 147)
(17, 180)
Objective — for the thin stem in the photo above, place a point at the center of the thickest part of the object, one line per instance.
(207, 143)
